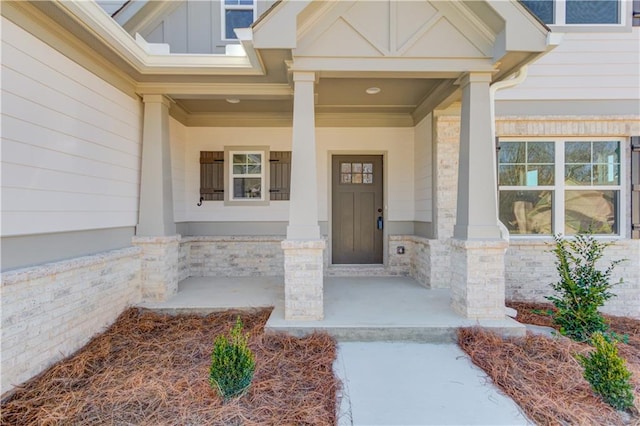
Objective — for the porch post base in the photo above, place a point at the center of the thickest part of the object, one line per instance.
(303, 279)
(159, 267)
(477, 280)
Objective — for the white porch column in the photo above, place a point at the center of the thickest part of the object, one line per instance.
(477, 252)
(156, 192)
(303, 248)
(156, 230)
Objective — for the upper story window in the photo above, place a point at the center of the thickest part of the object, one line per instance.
(237, 14)
(577, 12)
(560, 186)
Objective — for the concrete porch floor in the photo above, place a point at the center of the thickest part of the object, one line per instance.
(355, 308)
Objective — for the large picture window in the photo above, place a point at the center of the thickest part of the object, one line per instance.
(236, 14)
(560, 186)
(576, 12)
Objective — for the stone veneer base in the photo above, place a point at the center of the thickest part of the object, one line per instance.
(477, 278)
(303, 279)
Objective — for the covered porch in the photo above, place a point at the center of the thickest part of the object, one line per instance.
(355, 308)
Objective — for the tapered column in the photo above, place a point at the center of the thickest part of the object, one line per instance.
(477, 249)
(303, 248)
(476, 214)
(303, 204)
(156, 193)
(156, 230)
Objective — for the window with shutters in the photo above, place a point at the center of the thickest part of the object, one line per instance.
(549, 186)
(246, 178)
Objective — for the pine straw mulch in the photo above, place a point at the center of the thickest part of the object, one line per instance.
(152, 369)
(542, 375)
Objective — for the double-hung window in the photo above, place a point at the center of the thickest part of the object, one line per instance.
(247, 176)
(578, 12)
(236, 14)
(561, 186)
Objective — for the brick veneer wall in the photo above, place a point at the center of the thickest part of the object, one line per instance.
(530, 270)
(52, 310)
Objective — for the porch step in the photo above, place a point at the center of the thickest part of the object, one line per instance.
(361, 271)
(444, 333)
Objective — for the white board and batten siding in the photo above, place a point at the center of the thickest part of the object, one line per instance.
(585, 66)
(71, 143)
(422, 162)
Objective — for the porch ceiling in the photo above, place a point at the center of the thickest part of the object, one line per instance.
(333, 95)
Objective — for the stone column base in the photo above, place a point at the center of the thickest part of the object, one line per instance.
(303, 279)
(477, 278)
(159, 267)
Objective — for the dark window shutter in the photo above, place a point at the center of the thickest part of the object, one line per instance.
(635, 187)
(212, 175)
(280, 179)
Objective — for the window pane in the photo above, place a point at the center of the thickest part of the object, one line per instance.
(592, 12)
(512, 152)
(541, 152)
(254, 169)
(592, 209)
(356, 167)
(577, 174)
(254, 158)
(526, 212)
(577, 152)
(239, 170)
(239, 158)
(247, 188)
(606, 152)
(345, 167)
(345, 178)
(367, 178)
(543, 9)
(356, 178)
(512, 175)
(606, 174)
(238, 2)
(540, 175)
(237, 19)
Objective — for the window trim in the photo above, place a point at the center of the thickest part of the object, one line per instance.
(559, 188)
(223, 16)
(228, 175)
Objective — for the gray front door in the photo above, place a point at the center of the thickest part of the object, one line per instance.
(357, 205)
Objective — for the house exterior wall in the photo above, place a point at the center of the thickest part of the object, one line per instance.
(423, 170)
(70, 155)
(530, 270)
(52, 310)
(585, 66)
(194, 27)
(396, 143)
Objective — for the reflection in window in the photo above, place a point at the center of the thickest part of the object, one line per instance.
(237, 14)
(527, 212)
(247, 175)
(532, 201)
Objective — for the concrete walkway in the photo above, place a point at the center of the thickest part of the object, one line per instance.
(417, 384)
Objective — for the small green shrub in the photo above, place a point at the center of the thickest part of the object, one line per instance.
(607, 373)
(232, 363)
(582, 287)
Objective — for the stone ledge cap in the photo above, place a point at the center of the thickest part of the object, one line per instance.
(47, 269)
(480, 244)
(156, 240)
(303, 244)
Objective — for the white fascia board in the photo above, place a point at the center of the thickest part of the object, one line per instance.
(278, 29)
(523, 32)
(92, 18)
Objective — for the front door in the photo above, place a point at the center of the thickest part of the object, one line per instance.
(357, 204)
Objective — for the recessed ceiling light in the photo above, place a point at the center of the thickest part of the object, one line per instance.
(373, 90)
(233, 100)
